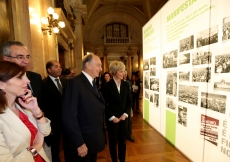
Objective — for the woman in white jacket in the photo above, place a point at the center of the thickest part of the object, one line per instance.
(22, 123)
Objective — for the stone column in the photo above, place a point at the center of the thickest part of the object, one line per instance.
(79, 12)
(102, 62)
(71, 52)
(129, 67)
(140, 64)
(105, 62)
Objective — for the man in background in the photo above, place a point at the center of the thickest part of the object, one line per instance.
(51, 103)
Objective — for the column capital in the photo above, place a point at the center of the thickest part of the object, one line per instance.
(105, 53)
(129, 53)
(79, 11)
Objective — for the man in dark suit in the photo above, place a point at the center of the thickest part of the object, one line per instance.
(118, 103)
(83, 114)
(17, 52)
(51, 105)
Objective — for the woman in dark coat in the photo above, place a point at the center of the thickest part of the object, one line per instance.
(118, 103)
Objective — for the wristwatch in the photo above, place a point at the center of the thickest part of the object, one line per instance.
(33, 151)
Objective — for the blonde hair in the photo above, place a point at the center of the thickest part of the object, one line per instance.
(116, 66)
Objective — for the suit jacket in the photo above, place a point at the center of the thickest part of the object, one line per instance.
(51, 102)
(15, 137)
(36, 84)
(83, 115)
(117, 103)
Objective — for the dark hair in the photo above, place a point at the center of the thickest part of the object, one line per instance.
(5, 48)
(103, 76)
(49, 64)
(65, 71)
(8, 70)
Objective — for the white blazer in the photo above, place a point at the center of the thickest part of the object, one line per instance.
(15, 137)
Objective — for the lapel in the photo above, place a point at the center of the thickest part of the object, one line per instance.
(115, 90)
(90, 87)
(52, 86)
(15, 123)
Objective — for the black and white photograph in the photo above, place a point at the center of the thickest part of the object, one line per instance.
(226, 29)
(184, 58)
(170, 59)
(147, 94)
(156, 100)
(146, 80)
(171, 103)
(215, 102)
(201, 74)
(208, 36)
(222, 84)
(222, 63)
(154, 84)
(188, 94)
(187, 43)
(201, 57)
(151, 97)
(146, 64)
(182, 115)
(152, 71)
(152, 61)
(171, 83)
(184, 76)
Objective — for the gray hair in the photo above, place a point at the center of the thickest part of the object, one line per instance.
(86, 58)
(116, 66)
(5, 48)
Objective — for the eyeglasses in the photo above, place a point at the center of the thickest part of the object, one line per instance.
(20, 57)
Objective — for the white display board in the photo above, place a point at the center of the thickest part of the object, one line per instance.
(186, 77)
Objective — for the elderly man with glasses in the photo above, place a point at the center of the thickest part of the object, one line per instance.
(17, 52)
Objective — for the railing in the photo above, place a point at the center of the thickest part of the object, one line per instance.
(117, 40)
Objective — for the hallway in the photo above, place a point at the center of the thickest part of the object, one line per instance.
(149, 146)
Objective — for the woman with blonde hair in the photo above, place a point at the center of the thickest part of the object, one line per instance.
(22, 123)
(118, 103)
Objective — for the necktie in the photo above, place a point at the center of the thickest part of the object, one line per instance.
(59, 85)
(95, 87)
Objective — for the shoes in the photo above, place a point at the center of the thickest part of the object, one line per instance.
(130, 138)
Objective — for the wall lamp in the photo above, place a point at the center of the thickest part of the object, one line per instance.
(52, 22)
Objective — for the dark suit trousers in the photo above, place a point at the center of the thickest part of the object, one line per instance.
(135, 99)
(117, 135)
(129, 125)
(55, 141)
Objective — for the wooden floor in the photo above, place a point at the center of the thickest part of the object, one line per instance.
(149, 146)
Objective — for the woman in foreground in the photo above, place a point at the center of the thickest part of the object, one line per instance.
(22, 123)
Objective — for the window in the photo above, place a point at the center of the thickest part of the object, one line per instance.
(117, 33)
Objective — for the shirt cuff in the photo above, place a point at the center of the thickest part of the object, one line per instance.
(110, 119)
(126, 115)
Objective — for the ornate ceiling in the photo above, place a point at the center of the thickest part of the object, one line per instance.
(98, 13)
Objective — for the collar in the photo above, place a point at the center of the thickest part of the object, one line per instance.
(88, 77)
(53, 79)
